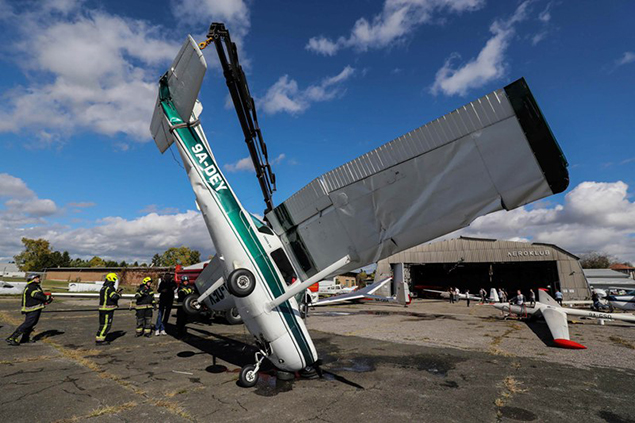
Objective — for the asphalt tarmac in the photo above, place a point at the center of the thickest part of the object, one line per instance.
(431, 362)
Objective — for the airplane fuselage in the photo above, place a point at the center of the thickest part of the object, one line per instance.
(280, 332)
(623, 302)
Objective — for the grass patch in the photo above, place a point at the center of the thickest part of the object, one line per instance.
(494, 346)
(6, 317)
(513, 386)
(173, 408)
(102, 411)
(622, 342)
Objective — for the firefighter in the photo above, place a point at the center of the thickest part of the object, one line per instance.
(108, 299)
(144, 305)
(181, 316)
(33, 302)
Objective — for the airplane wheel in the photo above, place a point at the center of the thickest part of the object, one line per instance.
(248, 376)
(191, 305)
(241, 282)
(232, 316)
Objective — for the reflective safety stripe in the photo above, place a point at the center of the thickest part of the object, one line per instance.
(108, 307)
(143, 306)
(104, 328)
(33, 308)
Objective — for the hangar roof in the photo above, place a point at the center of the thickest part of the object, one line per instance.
(481, 250)
(604, 273)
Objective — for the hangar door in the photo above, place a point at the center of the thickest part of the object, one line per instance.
(474, 276)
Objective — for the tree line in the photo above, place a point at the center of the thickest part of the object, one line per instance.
(38, 255)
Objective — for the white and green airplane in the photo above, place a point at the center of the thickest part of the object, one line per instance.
(492, 154)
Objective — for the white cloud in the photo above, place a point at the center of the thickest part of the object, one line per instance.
(13, 187)
(153, 208)
(244, 164)
(34, 207)
(26, 215)
(595, 217)
(396, 21)
(286, 96)
(136, 239)
(545, 15)
(279, 159)
(83, 204)
(234, 13)
(627, 57)
(90, 70)
(489, 65)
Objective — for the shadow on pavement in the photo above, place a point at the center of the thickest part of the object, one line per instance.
(47, 334)
(115, 335)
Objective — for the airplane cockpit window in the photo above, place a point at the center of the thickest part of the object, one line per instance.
(631, 292)
(262, 228)
(284, 265)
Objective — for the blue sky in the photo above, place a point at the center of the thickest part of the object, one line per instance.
(77, 80)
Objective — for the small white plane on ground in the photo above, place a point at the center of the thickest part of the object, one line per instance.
(494, 153)
(493, 295)
(623, 302)
(402, 295)
(556, 317)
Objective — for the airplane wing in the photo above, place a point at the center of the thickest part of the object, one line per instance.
(557, 322)
(446, 293)
(355, 295)
(547, 299)
(494, 153)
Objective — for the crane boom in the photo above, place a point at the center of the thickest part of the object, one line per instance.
(245, 107)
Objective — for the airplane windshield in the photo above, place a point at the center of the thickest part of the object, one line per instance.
(260, 225)
(631, 292)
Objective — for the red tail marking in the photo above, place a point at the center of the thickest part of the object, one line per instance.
(566, 343)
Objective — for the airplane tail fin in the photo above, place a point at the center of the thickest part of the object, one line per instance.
(493, 296)
(545, 298)
(180, 84)
(403, 293)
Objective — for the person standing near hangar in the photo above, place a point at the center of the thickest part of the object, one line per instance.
(108, 302)
(144, 305)
(33, 302)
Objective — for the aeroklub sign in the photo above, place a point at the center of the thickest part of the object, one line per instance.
(529, 253)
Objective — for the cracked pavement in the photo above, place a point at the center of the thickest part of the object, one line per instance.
(430, 362)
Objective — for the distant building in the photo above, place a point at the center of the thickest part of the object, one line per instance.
(10, 270)
(624, 268)
(127, 275)
(607, 278)
(347, 280)
(475, 263)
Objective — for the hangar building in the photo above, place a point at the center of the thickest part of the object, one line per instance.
(472, 263)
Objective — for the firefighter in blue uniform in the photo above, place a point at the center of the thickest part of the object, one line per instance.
(108, 303)
(181, 316)
(144, 305)
(33, 302)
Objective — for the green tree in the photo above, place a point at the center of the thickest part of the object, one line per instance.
(96, 262)
(596, 261)
(181, 255)
(111, 263)
(156, 260)
(79, 263)
(123, 264)
(35, 257)
(66, 259)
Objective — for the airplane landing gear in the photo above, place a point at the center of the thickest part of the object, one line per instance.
(241, 282)
(191, 305)
(248, 376)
